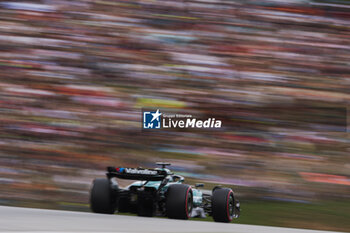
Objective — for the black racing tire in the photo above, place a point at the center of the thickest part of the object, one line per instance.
(101, 197)
(179, 201)
(223, 205)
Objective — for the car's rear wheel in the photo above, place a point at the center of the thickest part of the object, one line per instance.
(223, 205)
(179, 201)
(101, 197)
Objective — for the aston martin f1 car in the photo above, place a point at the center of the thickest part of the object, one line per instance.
(160, 192)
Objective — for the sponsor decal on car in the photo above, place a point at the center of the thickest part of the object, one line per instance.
(140, 171)
(120, 169)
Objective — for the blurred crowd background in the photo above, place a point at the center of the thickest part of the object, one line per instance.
(75, 76)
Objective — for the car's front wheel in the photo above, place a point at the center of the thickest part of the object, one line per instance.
(101, 197)
(223, 205)
(179, 201)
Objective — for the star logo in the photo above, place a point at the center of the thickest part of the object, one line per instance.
(151, 120)
(156, 115)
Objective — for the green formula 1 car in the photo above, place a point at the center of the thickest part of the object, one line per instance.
(160, 192)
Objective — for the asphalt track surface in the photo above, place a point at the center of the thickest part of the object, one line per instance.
(39, 220)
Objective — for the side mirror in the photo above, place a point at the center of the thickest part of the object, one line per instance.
(198, 185)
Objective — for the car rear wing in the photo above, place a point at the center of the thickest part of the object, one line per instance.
(136, 173)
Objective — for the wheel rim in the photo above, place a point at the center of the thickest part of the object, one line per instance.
(231, 206)
(189, 204)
